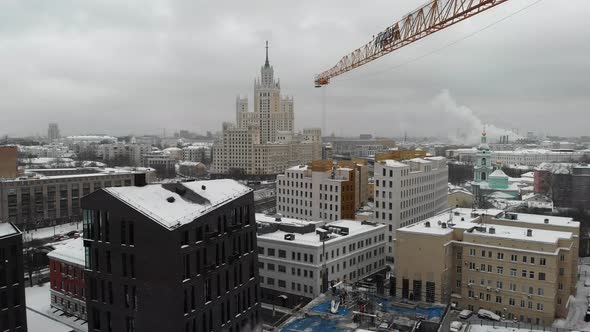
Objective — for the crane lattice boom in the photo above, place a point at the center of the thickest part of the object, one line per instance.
(426, 20)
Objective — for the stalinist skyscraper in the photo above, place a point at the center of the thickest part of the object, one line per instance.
(264, 142)
(272, 112)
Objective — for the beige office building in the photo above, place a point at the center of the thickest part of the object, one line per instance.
(520, 266)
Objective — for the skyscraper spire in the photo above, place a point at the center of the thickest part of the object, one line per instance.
(266, 64)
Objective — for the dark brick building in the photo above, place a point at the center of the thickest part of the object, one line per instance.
(13, 316)
(171, 257)
(66, 266)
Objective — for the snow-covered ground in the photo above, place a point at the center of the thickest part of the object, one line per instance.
(40, 323)
(38, 300)
(577, 305)
(489, 328)
(47, 232)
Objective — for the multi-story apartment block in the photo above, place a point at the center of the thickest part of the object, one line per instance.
(198, 153)
(322, 190)
(66, 273)
(171, 257)
(13, 315)
(520, 266)
(263, 142)
(409, 191)
(163, 163)
(8, 161)
(44, 197)
(132, 153)
(292, 255)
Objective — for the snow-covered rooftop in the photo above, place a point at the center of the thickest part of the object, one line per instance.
(71, 251)
(498, 174)
(7, 229)
(394, 163)
(153, 200)
(540, 219)
(264, 218)
(468, 219)
(313, 239)
(520, 233)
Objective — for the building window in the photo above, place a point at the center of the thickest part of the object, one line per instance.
(541, 275)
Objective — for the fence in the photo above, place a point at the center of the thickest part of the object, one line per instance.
(517, 325)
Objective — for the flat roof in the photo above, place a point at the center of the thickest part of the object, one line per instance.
(69, 251)
(312, 239)
(393, 163)
(264, 218)
(520, 233)
(540, 219)
(463, 219)
(7, 228)
(152, 200)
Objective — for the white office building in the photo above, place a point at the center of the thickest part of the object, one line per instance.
(322, 190)
(132, 153)
(292, 255)
(409, 191)
(527, 157)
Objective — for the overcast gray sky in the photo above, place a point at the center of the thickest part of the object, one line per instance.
(137, 66)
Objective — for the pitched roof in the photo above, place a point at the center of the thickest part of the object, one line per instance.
(175, 204)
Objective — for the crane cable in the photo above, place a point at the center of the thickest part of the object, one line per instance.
(444, 46)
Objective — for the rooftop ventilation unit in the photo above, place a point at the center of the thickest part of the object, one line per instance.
(462, 219)
(492, 230)
(203, 187)
(278, 217)
(170, 199)
(289, 237)
(529, 232)
(427, 224)
(546, 220)
(444, 225)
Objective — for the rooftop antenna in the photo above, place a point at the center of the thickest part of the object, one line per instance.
(266, 64)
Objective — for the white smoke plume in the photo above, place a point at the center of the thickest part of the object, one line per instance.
(459, 124)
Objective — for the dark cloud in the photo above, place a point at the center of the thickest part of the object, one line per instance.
(139, 66)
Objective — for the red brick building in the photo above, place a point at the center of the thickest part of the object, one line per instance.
(66, 264)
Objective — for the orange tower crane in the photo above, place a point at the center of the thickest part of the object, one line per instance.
(424, 21)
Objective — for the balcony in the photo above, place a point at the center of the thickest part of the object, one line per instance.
(234, 257)
(233, 228)
(211, 235)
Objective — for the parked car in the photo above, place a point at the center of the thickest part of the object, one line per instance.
(587, 283)
(464, 314)
(73, 234)
(486, 314)
(456, 326)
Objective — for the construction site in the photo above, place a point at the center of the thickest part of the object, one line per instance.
(364, 306)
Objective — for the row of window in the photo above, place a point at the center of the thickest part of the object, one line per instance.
(513, 257)
(500, 270)
(283, 269)
(331, 254)
(511, 301)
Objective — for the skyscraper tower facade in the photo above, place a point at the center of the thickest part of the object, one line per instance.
(272, 112)
(263, 141)
(53, 132)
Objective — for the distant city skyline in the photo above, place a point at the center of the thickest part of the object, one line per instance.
(171, 65)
